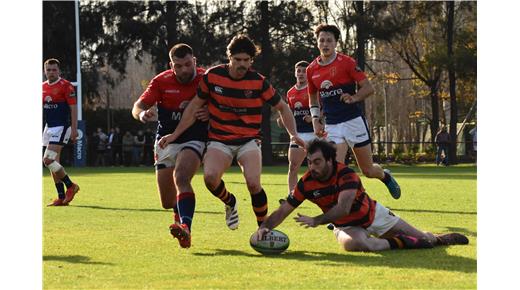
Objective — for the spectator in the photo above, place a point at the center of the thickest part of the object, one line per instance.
(139, 141)
(101, 147)
(128, 144)
(443, 142)
(148, 148)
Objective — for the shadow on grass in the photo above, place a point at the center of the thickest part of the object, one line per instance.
(76, 259)
(433, 259)
(137, 209)
(434, 211)
(263, 182)
(461, 230)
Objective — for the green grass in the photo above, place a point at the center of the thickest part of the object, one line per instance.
(115, 235)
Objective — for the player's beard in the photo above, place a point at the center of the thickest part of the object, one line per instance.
(184, 78)
(321, 176)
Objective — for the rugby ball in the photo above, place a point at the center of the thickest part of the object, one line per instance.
(274, 242)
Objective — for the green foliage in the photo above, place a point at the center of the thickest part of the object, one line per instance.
(114, 235)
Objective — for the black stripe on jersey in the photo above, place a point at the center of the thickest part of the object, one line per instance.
(236, 93)
(349, 185)
(356, 205)
(362, 220)
(237, 110)
(238, 123)
(329, 190)
(274, 100)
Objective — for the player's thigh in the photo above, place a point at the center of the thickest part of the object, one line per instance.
(404, 228)
(296, 156)
(166, 186)
(187, 163)
(215, 163)
(251, 164)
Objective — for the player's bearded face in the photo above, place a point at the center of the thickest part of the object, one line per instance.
(240, 63)
(326, 43)
(184, 68)
(319, 167)
(52, 72)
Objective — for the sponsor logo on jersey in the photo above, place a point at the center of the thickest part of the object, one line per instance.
(176, 116)
(326, 93)
(219, 90)
(50, 106)
(248, 93)
(315, 76)
(48, 99)
(173, 91)
(301, 112)
(298, 105)
(316, 193)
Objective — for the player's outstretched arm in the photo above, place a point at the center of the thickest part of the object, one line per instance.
(188, 118)
(289, 122)
(342, 208)
(275, 219)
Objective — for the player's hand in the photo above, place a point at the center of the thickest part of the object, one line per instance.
(202, 114)
(298, 140)
(147, 115)
(260, 233)
(73, 135)
(307, 221)
(307, 118)
(319, 129)
(347, 98)
(165, 140)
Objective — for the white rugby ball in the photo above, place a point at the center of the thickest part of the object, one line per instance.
(274, 242)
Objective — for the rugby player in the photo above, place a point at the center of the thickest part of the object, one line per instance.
(176, 162)
(298, 101)
(235, 95)
(332, 78)
(61, 125)
(360, 223)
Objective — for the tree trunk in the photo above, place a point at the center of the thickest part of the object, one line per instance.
(434, 97)
(171, 23)
(451, 76)
(361, 40)
(266, 66)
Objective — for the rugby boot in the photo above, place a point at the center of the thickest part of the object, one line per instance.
(452, 239)
(182, 233)
(393, 186)
(70, 193)
(58, 202)
(232, 216)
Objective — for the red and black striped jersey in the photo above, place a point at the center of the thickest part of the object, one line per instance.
(235, 106)
(325, 195)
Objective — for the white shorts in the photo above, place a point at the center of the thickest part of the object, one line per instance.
(56, 135)
(236, 150)
(166, 157)
(306, 137)
(384, 220)
(354, 132)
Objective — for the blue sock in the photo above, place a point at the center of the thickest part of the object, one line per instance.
(186, 206)
(67, 181)
(60, 189)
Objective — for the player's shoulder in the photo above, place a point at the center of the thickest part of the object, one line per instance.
(313, 65)
(219, 69)
(345, 59)
(291, 91)
(165, 75)
(200, 71)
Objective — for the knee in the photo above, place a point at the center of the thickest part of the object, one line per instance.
(351, 245)
(212, 180)
(47, 161)
(181, 178)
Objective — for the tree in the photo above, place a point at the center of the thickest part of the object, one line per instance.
(450, 7)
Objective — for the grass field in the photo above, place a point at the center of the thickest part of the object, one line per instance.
(115, 235)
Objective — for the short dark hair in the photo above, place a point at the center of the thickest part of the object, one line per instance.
(301, 63)
(180, 50)
(52, 61)
(242, 43)
(327, 149)
(327, 28)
